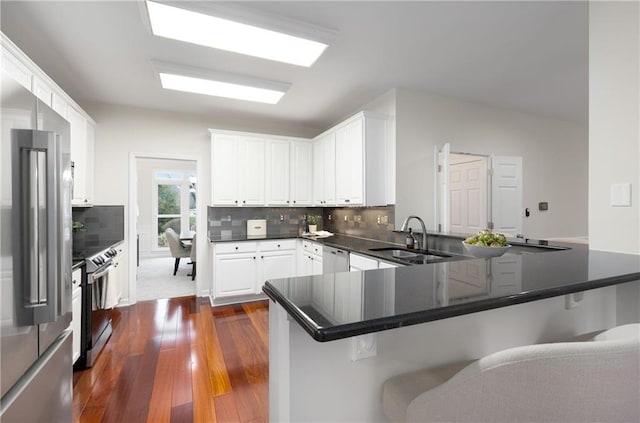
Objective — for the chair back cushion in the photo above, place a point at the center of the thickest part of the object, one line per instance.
(596, 381)
(175, 246)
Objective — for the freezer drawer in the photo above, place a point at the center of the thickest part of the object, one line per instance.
(44, 393)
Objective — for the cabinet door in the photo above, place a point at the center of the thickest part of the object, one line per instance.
(275, 265)
(316, 265)
(251, 166)
(355, 137)
(329, 147)
(343, 161)
(318, 172)
(278, 164)
(350, 163)
(90, 161)
(224, 158)
(235, 274)
(301, 173)
(78, 129)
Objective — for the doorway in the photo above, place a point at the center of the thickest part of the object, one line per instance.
(164, 191)
(477, 191)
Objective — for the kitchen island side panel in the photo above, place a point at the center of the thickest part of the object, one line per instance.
(320, 382)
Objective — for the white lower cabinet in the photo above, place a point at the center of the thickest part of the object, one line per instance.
(311, 263)
(236, 274)
(76, 312)
(242, 268)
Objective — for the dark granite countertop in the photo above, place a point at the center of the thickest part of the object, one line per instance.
(240, 238)
(376, 300)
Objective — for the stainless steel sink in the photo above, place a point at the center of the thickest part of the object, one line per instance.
(414, 256)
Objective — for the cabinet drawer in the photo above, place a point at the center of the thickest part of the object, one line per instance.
(312, 247)
(236, 247)
(278, 245)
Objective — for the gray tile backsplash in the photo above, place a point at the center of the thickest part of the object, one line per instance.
(103, 225)
(366, 222)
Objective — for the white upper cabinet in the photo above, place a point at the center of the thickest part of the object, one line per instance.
(357, 150)
(301, 173)
(257, 170)
(82, 131)
(251, 166)
(278, 172)
(79, 153)
(237, 170)
(324, 170)
(224, 158)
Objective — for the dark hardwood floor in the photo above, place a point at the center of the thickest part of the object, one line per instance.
(179, 360)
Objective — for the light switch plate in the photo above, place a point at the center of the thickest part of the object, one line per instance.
(621, 195)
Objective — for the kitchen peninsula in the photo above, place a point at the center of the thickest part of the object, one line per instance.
(439, 313)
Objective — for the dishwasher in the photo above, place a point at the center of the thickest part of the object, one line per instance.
(334, 260)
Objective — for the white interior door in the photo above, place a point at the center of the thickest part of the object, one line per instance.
(468, 194)
(506, 195)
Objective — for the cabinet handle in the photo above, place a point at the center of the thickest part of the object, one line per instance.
(262, 257)
(278, 245)
(236, 248)
(236, 201)
(347, 200)
(254, 257)
(244, 202)
(287, 201)
(294, 201)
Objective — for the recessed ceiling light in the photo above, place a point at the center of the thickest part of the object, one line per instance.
(203, 29)
(219, 88)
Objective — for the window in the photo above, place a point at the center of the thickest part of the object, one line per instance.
(175, 204)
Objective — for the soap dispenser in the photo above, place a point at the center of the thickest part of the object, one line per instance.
(411, 240)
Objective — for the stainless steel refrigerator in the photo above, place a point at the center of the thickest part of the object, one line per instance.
(35, 260)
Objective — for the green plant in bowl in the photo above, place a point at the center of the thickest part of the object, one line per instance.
(486, 238)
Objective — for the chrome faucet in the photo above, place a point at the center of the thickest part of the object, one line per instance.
(405, 228)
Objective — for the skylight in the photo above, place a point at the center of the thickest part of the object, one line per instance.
(219, 88)
(198, 28)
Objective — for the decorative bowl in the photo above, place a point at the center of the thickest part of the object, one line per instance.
(485, 252)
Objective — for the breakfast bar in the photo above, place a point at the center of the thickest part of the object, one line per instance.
(338, 336)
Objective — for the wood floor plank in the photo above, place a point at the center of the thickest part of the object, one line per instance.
(182, 384)
(203, 405)
(182, 413)
(179, 360)
(226, 409)
(228, 321)
(218, 375)
(161, 396)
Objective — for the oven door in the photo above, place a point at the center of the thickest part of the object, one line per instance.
(100, 312)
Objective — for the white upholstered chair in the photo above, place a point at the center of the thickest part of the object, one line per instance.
(177, 248)
(590, 381)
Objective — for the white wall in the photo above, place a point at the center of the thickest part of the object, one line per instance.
(554, 157)
(121, 131)
(146, 170)
(614, 135)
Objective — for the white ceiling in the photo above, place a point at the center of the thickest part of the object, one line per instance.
(527, 56)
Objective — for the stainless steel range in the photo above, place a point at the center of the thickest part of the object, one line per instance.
(98, 300)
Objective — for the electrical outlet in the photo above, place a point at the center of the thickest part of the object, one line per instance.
(346, 218)
(282, 218)
(330, 217)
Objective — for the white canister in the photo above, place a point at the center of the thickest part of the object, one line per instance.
(257, 227)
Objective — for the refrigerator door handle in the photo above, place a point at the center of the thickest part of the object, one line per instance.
(35, 196)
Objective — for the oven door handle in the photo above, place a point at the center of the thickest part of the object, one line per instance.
(97, 275)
